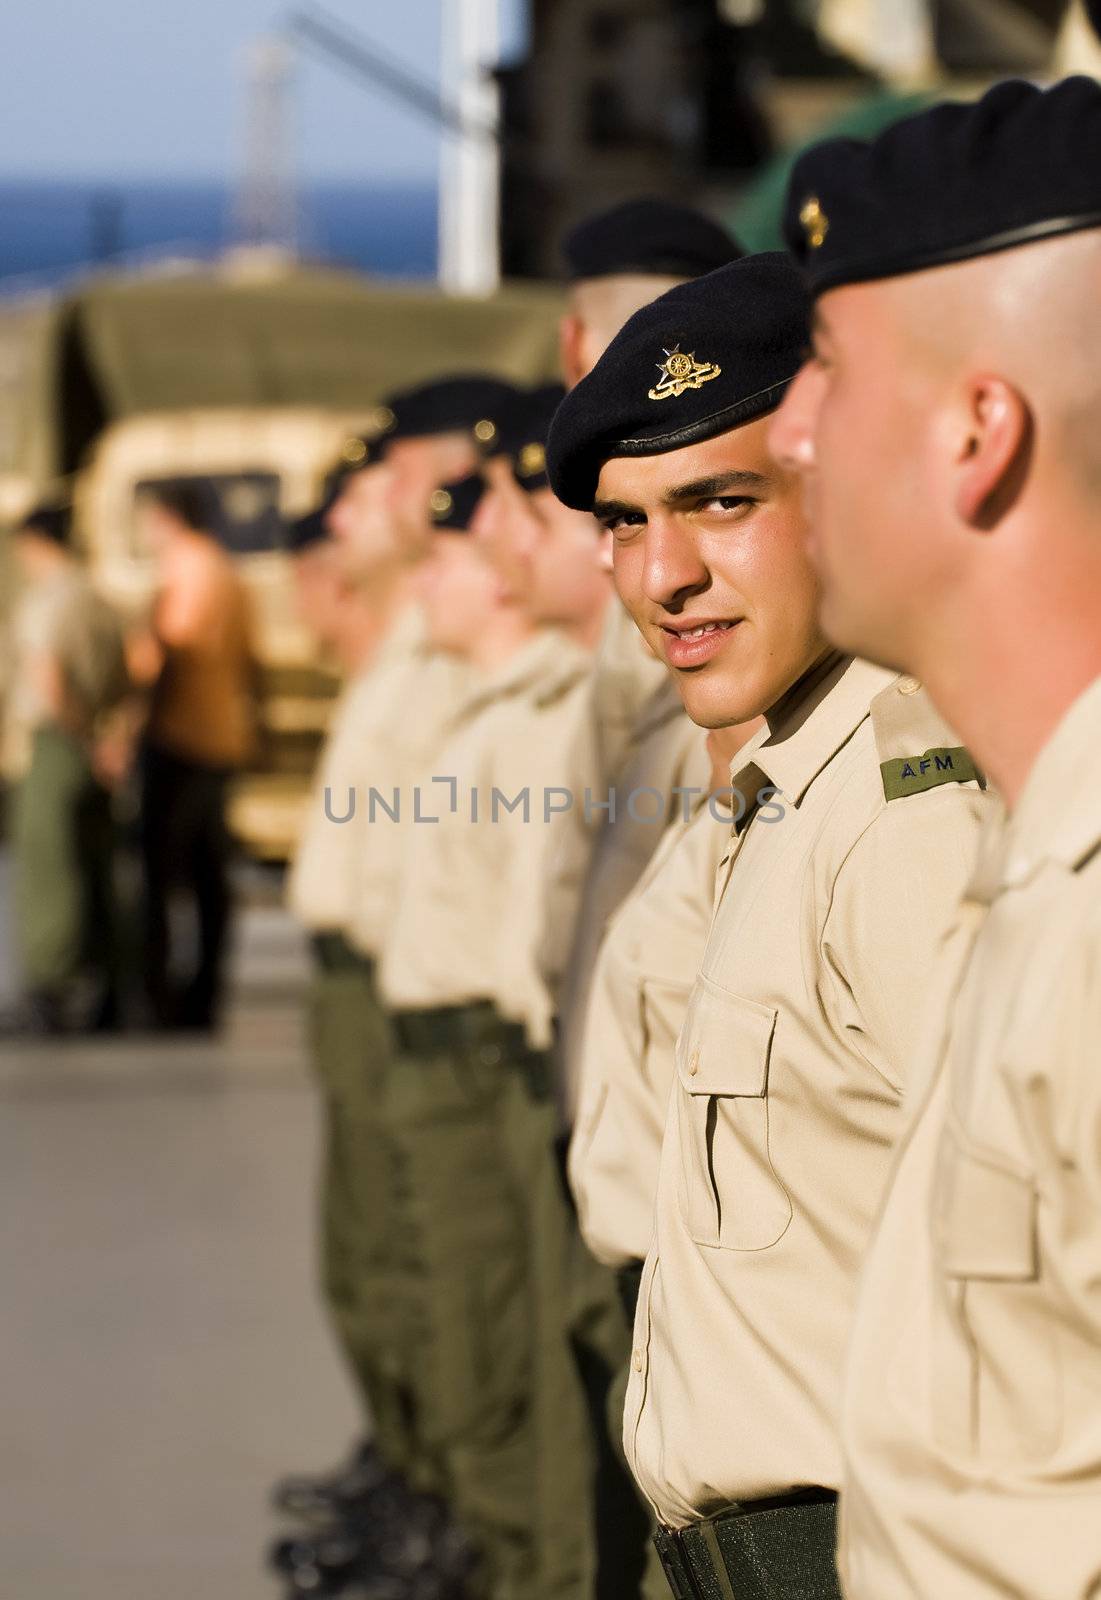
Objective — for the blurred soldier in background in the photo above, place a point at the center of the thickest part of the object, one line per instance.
(470, 974)
(201, 729)
(69, 675)
(400, 700)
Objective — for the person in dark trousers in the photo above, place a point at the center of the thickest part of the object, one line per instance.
(200, 730)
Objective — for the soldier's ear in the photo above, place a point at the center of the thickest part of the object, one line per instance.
(993, 452)
(571, 349)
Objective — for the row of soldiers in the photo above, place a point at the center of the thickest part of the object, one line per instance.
(781, 925)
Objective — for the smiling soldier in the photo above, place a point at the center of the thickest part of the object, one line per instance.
(839, 877)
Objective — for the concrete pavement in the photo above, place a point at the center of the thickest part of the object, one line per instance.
(163, 1354)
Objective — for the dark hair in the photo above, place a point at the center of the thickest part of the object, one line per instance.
(48, 522)
(191, 500)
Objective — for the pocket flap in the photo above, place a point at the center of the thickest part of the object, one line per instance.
(986, 1218)
(725, 1043)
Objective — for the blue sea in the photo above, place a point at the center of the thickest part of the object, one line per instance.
(50, 232)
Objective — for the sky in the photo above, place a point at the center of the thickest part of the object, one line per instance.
(133, 89)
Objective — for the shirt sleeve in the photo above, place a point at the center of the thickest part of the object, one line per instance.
(893, 902)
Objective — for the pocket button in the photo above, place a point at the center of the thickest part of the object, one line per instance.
(693, 1063)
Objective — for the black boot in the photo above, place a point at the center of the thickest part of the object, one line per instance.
(327, 1495)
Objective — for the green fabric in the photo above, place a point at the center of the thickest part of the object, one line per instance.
(915, 774)
(563, 1454)
(462, 1297)
(65, 917)
(756, 216)
(123, 345)
(352, 1054)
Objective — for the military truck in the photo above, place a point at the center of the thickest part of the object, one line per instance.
(254, 382)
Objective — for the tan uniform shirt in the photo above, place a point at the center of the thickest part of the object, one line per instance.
(664, 768)
(972, 1417)
(63, 618)
(625, 677)
(470, 922)
(387, 724)
(640, 992)
(785, 1105)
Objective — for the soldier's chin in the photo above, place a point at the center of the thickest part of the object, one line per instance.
(712, 704)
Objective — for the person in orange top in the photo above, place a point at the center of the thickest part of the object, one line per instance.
(201, 729)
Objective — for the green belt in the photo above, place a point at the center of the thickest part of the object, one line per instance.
(478, 1029)
(333, 953)
(780, 1549)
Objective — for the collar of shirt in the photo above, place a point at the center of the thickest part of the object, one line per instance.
(544, 666)
(662, 707)
(792, 751)
(1058, 816)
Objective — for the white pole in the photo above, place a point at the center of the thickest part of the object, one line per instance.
(469, 249)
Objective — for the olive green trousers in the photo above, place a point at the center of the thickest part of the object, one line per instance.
(66, 918)
(353, 1052)
(463, 1299)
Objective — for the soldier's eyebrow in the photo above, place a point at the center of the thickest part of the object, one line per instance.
(607, 510)
(712, 488)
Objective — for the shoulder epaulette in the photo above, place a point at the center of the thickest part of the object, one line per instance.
(917, 749)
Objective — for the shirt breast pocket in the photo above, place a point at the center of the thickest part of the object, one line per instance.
(996, 1379)
(730, 1194)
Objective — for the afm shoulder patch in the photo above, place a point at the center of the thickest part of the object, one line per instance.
(913, 774)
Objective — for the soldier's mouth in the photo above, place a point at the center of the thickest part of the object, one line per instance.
(695, 644)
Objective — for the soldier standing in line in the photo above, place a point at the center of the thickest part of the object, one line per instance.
(398, 714)
(839, 878)
(471, 983)
(956, 268)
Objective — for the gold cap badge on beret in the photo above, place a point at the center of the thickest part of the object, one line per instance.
(485, 431)
(531, 460)
(680, 372)
(439, 502)
(815, 222)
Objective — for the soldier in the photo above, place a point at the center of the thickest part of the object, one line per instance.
(838, 879)
(636, 747)
(617, 261)
(470, 975)
(956, 265)
(69, 673)
(396, 712)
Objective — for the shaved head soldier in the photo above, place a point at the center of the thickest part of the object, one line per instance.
(956, 524)
(832, 894)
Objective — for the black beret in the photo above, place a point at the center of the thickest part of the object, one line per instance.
(522, 434)
(51, 522)
(706, 357)
(448, 405)
(949, 183)
(452, 505)
(657, 238)
(305, 532)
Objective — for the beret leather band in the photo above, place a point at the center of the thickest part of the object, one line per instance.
(733, 416)
(857, 271)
